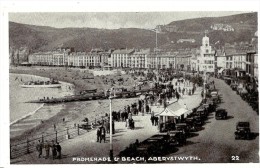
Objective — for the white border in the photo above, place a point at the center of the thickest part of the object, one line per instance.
(97, 6)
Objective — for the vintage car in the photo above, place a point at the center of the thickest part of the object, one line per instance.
(177, 138)
(221, 114)
(243, 130)
(233, 86)
(183, 127)
(153, 146)
(190, 121)
(202, 112)
(215, 97)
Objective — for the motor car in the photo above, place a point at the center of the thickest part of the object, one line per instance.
(243, 130)
(233, 86)
(221, 114)
(202, 112)
(177, 138)
(191, 122)
(153, 146)
(183, 127)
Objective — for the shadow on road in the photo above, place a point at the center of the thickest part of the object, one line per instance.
(136, 128)
(229, 117)
(117, 135)
(119, 130)
(254, 135)
(193, 134)
(190, 143)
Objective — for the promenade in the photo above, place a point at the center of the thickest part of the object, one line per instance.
(85, 145)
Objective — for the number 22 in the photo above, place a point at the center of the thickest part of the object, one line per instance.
(234, 157)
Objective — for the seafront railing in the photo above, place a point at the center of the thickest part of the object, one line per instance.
(29, 145)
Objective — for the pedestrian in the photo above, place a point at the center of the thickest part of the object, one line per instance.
(98, 135)
(107, 125)
(122, 116)
(113, 127)
(177, 95)
(54, 127)
(47, 149)
(156, 121)
(152, 120)
(103, 134)
(58, 147)
(54, 150)
(39, 147)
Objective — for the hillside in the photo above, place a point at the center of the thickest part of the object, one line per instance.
(244, 25)
(31, 38)
(83, 39)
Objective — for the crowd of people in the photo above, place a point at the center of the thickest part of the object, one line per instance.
(54, 147)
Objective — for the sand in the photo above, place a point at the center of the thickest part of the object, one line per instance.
(74, 112)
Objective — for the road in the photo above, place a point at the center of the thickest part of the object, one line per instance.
(216, 143)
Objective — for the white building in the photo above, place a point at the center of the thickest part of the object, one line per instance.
(206, 60)
(122, 58)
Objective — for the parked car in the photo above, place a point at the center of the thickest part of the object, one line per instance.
(221, 114)
(177, 138)
(202, 112)
(183, 127)
(243, 130)
(191, 122)
(233, 86)
(153, 146)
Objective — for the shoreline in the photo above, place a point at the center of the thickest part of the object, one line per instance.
(40, 106)
(26, 116)
(74, 112)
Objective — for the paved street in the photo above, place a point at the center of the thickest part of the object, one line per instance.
(216, 143)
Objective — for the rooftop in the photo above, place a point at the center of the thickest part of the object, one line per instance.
(123, 51)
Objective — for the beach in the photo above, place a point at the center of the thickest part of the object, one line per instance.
(39, 119)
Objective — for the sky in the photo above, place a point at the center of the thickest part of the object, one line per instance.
(112, 20)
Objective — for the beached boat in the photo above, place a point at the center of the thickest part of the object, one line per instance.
(45, 84)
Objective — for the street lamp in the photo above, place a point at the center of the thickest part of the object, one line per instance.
(110, 132)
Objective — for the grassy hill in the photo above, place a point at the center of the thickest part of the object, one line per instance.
(82, 39)
(245, 25)
(31, 38)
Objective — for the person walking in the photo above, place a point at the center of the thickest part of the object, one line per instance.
(177, 95)
(107, 127)
(113, 126)
(47, 149)
(152, 119)
(156, 121)
(39, 147)
(58, 147)
(98, 135)
(103, 134)
(54, 150)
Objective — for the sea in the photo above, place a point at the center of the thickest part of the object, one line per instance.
(24, 115)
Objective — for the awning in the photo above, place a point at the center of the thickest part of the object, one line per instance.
(221, 70)
(174, 110)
